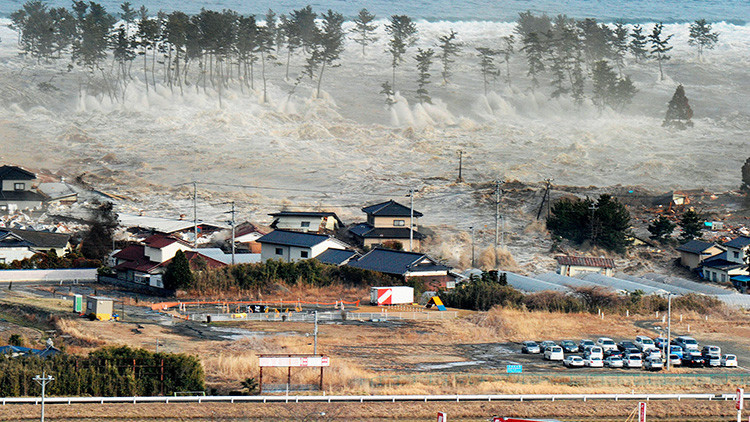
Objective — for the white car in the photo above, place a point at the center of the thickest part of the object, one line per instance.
(729, 361)
(675, 360)
(554, 353)
(633, 361)
(654, 364)
(644, 343)
(606, 343)
(594, 351)
(687, 343)
(652, 353)
(594, 362)
(613, 362)
(572, 361)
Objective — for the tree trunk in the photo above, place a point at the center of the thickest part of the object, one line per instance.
(145, 68)
(263, 70)
(320, 79)
(288, 59)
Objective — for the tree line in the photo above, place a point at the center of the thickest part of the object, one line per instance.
(110, 371)
(223, 48)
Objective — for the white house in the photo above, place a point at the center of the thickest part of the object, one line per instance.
(291, 246)
(18, 190)
(17, 244)
(306, 221)
(733, 262)
(572, 265)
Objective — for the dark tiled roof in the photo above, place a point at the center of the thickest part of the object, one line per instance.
(10, 240)
(20, 195)
(192, 255)
(336, 256)
(40, 239)
(159, 241)
(130, 253)
(305, 214)
(738, 242)
(695, 246)
(15, 173)
(292, 238)
(396, 262)
(135, 259)
(585, 261)
(720, 263)
(365, 230)
(390, 209)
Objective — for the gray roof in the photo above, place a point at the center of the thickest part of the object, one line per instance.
(396, 262)
(292, 238)
(15, 173)
(365, 230)
(706, 288)
(390, 209)
(530, 285)
(695, 246)
(563, 280)
(738, 242)
(720, 262)
(226, 258)
(10, 240)
(621, 284)
(336, 256)
(659, 285)
(40, 239)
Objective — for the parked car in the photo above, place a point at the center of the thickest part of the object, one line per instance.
(675, 360)
(594, 362)
(633, 361)
(573, 361)
(606, 343)
(554, 353)
(612, 352)
(584, 344)
(707, 350)
(595, 351)
(613, 361)
(569, 346)
(675, 350)
(660, 342)
(653, 364)
(686, 342)
(530, 347)
(644, 343)
(625, 345)
(545, 344)
(631, 351)
(712, 359)
(729, 361)
(654, 353)
(691, 359)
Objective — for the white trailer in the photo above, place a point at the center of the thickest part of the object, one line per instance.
(391, 295)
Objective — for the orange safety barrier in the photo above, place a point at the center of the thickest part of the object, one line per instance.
(163, 306)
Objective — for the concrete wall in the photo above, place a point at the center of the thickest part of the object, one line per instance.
(165, 253)
(84, 274)
(295, 223)
(8, 184)
(741, 254)
(8, 255)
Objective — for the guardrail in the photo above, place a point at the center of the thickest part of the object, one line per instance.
(325, 316)
(362, 399)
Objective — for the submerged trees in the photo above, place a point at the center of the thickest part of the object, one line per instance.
(679, 112)
(660, 46)
(702, 37)
(604, 223)
(424, 61)
(487, 66)
(449, 49)
(403, 32)
(364, 29)
(609, 89)
(329, 45)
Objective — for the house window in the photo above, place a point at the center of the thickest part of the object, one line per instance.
(304, 224)
(19, 186)
(713, 276)
(723, 278)
(736, 255)
(303, 254)
(399, 223)
(279, 251)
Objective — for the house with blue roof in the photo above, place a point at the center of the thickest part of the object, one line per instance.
(337, 256)
(388, 222)
(409, 265)
(729, 264)
(292, 246)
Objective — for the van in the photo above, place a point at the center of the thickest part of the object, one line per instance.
(594, 351)
(606, 343)
(687, 343)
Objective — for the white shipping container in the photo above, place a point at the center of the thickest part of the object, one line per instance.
(391, 295)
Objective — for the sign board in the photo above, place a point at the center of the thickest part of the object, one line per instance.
(442, 417)
(642, 411)
(514, 369)
(739, 401)
(295, 361)
(257, 309)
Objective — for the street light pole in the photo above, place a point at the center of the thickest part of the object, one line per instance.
(315, 343)
(472, 246)
(669, 330)
(43, 381)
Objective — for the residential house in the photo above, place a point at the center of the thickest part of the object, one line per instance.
(17, 190)
(386, 223)
(20, 351)
(246, 237)
(411, 266)
(337, 256)
(731, 263)
(694, 252)
(17, 244)
(306, 221)
(292, 246)
(58, 193)
(182, 228)
(573, 265)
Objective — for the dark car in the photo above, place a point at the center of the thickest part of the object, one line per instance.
(693, 360)
(569, 346)
(612, 352)
(625, 345)
(631, 351)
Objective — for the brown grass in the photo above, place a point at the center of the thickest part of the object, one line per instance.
(68, 327)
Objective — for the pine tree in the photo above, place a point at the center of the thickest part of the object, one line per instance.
(661, 229)
(403, 32)
(247, 48)
(692, 225)
(679, 112)
(535, 52)
(424, 61)
(364, 28)
(659, 46)
(638, 42)
(746, 176)
(506, 51)
(620, 45)
(578, 84)
(304, 19)
(265, 46)
(702, 37)
(604, 81)
(272, 26)
(387, 90)
(330, 43)
(292, 36)
(597, 40)
(178, 274)
(127, 15)
(487, 66)
(449, 49)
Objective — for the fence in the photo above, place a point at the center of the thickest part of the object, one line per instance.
(325, 316)
(49, 276)
(565, 378)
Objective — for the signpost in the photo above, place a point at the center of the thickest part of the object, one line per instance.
(442, 417)
(642, 411)
(292, 361)
(739, 403)
(514, 369)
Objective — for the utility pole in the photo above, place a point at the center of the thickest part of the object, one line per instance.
(497, 218)
(195, 213)
(411, 220)
(315, 333)
(548, 183)
(460, 166)
(43, 381)
(472, 246)
(593, 209)
(669, 329)
(232, 232)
